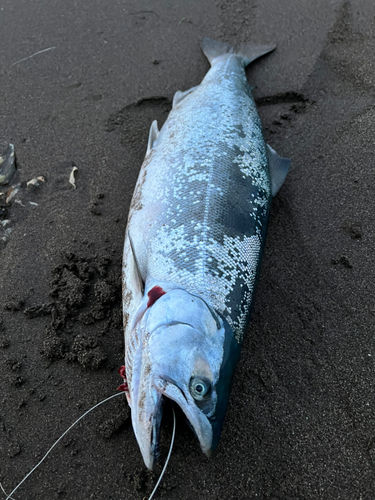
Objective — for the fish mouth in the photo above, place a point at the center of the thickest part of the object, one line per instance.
(197, 419)
(147, 417)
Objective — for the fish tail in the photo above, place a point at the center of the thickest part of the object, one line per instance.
(213, 49)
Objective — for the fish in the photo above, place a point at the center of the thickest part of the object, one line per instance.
(193, 246)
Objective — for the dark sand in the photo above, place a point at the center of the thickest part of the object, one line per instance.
(301, 422)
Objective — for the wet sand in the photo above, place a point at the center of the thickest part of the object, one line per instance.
(301, 419)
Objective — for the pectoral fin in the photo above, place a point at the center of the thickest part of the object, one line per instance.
(278, 169)
(137, 277)
(133, 285)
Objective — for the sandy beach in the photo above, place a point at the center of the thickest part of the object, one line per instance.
(80, 84)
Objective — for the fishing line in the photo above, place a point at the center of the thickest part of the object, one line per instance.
(168, 457)
(5, 493)
(9, 497)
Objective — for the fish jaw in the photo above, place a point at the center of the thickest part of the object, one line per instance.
(146, 419)
(148, 388)
(197, 419)
(144, 399)
(147, 415)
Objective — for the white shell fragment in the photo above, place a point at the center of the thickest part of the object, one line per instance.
(35, 181)
(72, 179)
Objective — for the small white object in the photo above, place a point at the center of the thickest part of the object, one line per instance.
(35, 181)
(72, 179)
(33, 55)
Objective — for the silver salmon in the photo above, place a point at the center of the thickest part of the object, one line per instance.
(194, 241)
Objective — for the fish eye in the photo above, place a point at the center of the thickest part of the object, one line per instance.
(199, 388)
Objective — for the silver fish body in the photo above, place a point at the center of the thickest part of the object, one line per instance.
(194, 241)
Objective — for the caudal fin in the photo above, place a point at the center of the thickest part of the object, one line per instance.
(213, 49)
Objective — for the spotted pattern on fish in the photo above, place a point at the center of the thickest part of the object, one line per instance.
(205, 196)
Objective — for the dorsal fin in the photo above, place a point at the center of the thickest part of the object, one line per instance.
(177, 98)
(278, 169)
(152, 136)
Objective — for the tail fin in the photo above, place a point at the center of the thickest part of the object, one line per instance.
(213, 49)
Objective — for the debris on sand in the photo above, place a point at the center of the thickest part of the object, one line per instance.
(7, 165)
(33, 55)
(6, 233)
(11, 193)
(35, 181)
(72, 179)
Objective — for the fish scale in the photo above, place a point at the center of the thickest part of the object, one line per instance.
(193, 247)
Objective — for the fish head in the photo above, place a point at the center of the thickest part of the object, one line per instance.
(180, 358)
